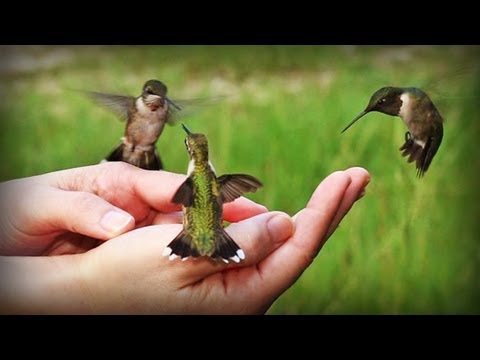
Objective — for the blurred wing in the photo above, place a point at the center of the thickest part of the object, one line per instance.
(190, 107)
(118, 104)
(454, 88)
(235, 185)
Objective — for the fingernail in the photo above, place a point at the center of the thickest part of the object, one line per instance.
(115, 222)
(361, 195)
(367, 181)
(253, 203)
(280, 227)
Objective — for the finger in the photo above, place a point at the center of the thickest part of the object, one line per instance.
(71, 244)
(123, 185)
(285, 265)
(136, 190)
(160, 197)
(238, 210)
(75, 211)
(241, 209)
(360, 179)
(257, 237)
(168, 218)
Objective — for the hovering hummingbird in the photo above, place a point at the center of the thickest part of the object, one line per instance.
(202, 196)
(423, 120)
(146, 116)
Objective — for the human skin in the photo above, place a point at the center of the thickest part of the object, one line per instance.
(65, 253)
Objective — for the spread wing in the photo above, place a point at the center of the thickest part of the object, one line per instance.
(235, 185)
(119, 104)
(188, 107)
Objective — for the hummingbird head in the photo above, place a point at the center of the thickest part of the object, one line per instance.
(385, 100)
(197, 145)
(154, 95)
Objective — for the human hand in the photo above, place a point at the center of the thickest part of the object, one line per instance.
(72, 211)
(128, 274)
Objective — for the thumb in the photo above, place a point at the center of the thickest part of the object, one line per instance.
(50, 209)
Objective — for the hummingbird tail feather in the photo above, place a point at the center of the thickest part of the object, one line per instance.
(152, 161)
(415, 152)
(227, 249)
(181, 246)
(148, 160)
(116, 154)
(420, 152)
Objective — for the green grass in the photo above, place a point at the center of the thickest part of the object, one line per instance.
(410, 246)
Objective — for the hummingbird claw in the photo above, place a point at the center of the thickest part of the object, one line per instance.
(225, 261)
(235, 259)
(185, 258)
(172, 257)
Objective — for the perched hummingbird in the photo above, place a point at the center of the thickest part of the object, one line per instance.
(424, 122)
(146, 116)
(202, 196)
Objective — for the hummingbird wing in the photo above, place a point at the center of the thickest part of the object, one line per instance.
(431, 148)
(188, 107)
(119, 104)
(184, 194)
(233, 186)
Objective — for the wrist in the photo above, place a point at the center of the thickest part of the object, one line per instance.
(41, 285)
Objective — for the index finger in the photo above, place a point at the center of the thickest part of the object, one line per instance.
(132, 188)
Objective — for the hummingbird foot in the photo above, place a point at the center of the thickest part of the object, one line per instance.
(408, 136)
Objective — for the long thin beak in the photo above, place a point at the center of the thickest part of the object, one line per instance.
(354, 120)
(187, 130)
(172, 103)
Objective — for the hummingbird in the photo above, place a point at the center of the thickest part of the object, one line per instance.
(146, 116)
(202, 195)
(423, 120)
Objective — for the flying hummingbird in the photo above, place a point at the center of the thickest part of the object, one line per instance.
(146, 116)
(423, 120)
(202, 196)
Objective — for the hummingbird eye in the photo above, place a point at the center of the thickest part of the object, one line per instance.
(382, 100)
(149, 91)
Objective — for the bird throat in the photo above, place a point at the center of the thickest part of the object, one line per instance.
(406, 109)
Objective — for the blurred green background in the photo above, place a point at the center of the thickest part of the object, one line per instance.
(409, 246)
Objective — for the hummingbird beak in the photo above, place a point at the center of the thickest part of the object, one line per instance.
(187, 130)
(173, 104)
(354, 120)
